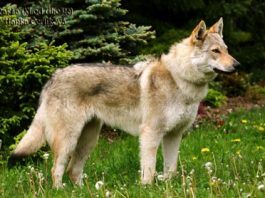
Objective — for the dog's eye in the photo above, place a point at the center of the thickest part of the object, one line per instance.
(216, 50)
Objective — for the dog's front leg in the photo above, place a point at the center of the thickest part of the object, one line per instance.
(149, 142)
(171, 143)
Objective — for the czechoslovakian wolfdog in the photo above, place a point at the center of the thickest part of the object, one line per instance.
(157, 100)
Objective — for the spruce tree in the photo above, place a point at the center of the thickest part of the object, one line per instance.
(95, 31)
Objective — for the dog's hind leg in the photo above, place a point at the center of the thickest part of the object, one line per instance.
(63, 142)
(86, 142)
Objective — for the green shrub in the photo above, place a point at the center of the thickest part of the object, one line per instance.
(235, 84)
(258, 75)
(215, 98)
(23, 72)
(256, 92)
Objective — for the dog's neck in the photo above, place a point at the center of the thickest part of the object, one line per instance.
(193, 92)
(193, 84)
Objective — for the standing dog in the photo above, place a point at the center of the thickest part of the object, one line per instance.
(157, 100)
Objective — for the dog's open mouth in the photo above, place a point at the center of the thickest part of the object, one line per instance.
(228, 70)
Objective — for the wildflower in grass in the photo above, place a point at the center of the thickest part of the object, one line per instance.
(205, 150)
(248, 195)
(192, 171)
(214, 181)
(31, 169)
(244, 121)
(160, 177)
(99, 185)
(40, 175)
(236, 140)
(84, 176)
(194, 158)
(261, 187)
(261, 129)
(210, 171)
(239, 154)
(45, 156)
(208, 165)
(107, 194)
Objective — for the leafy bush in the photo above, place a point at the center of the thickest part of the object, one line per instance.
(258, 75)
(23, 72)
(235, 84)
(256, 92)
(215, 98)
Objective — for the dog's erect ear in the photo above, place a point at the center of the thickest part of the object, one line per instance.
(199, 33)
(218, 27)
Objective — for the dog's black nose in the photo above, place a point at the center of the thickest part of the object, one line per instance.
(235, 63)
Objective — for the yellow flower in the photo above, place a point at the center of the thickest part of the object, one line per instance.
(260, 148)
(205, 150)
(261, 129)
(239, 154)
(244, 121)
(236, 140)
(194, 158)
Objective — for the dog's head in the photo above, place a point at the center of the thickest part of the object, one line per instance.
(210, 52)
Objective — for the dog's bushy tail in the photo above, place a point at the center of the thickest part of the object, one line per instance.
(32, 141)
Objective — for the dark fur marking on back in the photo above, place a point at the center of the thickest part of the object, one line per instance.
(99, 88)
(101, 65)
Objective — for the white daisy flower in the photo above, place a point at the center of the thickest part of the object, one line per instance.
(160, 177)
(107, 194)
(45, 156)
(99, 185)
(261, 187)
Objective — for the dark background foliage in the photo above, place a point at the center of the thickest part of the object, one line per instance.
(244, 22)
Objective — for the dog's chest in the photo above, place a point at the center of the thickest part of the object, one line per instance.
(179, 116)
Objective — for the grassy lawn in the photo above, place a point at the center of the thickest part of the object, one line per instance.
(226, 161)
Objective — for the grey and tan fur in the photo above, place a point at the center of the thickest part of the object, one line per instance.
(157, 100)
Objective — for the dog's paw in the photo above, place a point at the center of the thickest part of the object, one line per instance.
(146, 181)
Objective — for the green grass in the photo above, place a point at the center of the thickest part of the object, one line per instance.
(236, 152)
